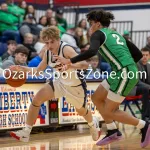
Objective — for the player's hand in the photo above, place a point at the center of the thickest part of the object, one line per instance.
(62, 60)
(17, 68)
(63, 68)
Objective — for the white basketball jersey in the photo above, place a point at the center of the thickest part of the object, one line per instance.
(70, 77)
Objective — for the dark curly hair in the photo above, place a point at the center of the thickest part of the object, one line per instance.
(101, 16)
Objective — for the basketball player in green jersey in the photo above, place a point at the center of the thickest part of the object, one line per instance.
(122, 55)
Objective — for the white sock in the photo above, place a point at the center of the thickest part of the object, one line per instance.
(141, 124)
(91, 124)
(28, 128)
(111, 126)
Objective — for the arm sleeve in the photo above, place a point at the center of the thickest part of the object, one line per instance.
(97, 39)
(135, 52)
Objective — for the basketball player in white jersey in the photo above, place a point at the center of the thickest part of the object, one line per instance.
(73, 88)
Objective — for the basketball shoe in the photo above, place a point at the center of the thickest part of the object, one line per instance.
(21, 135)
(111, 136)
(145, 141)
(95, 130)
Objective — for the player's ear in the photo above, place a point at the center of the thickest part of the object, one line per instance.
(98, 24)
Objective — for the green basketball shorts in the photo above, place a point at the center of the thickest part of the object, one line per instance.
(120, 83)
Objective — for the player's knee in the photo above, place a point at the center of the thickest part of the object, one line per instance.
(36, 102)
(82, 112)
(96, 102)
(108, 114)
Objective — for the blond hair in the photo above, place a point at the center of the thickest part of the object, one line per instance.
(95, 57)
(51, 32)
(28, 35)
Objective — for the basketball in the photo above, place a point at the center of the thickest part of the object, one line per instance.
(15, 79)
(58, 66)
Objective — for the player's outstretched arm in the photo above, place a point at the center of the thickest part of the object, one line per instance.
(97, 39)
(69, 52)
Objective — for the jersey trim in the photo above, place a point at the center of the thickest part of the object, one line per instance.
(84, 86)
(47, 57)
(63, 49)
(105, 37)
(58, 52)
(113, 56)
(124, 81)
(110, 56)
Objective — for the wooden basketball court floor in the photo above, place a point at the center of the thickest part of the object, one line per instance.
(79, 139)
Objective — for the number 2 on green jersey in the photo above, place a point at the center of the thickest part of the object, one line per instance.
(117, 39)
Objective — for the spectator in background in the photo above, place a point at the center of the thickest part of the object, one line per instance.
(28, 42)
(126, 35)
(42, 22)
(11, 45)
(20, 12)
(83, 24)
(28, 38)
(79, 36)
(69, 37)
(143, 65)
(94, 63)
(53, 22)
(148, 42)
(59, 17)
(85, 47)
(86, 38)
(20, 58)
(29, 26)
(104, 66)
(143, 86)
(30, 10)
(8, 25)
(23, 4)
(93, 68)
(114, 29)
(9, 2)
(36, 60)
(39, 45)
(49, 15)
(144, 83)
(32, 17)
(4, 7)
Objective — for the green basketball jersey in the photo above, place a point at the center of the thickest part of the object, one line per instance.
(115, 50)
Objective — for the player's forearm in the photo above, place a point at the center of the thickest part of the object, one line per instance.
(28, 69)
(97, 39)
(36, 70)
(31, 71)
(80, 65)
(83, 56)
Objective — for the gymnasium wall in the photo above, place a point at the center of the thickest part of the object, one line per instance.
(140, 17)
(124, 10)
(102, 2)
